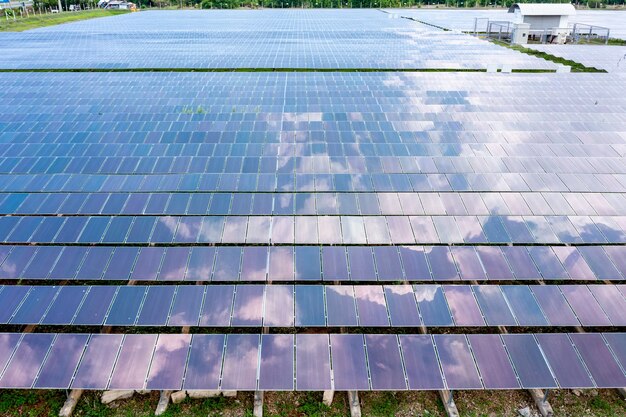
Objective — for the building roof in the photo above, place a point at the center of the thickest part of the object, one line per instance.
(544, 9)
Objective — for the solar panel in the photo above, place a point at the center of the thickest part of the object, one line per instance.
(599, 360)
(349, 362)
(457, 363)
(492, 361)
(528, 361)
(564, 361)
(168, 362)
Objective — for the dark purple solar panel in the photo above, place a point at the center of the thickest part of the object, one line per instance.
(312, 362)
(528, 361)
(227, 264)
(388, 263)
(385, 364)
(68, 262)
(441, 263)
(26, 361)
(371, 305)
(65, 305)
(340, 307)
(616, 341)
(612, 302)
(121, 264)
(432, 305)
(420, 361)
(156, 306)
(62, 360)
(402, 305)
(95, 263)
(133, 361)
(174, 264)
(240, 362)
(463, 305)
(415, 264)
(468, 263)
(493, 305)
(599, 262)
(205, 362)
(334, 263)
(186, 305)
(348, 362)
(553, 304)
(97, 362)
(520, 262)
(279, 306)
(276, 368)
(549, 265)
(218, 303)
(10, 299)
(200, 264)
(457, 362)
(34, 305)
(575, 265)
(248, 305)
(361, 263)
(187, 231)
(585, 305)
(281, 264)
(8, 343)
(96, 305)
(492, 361)
(599, 360)
(617, 254)
(310, 309)
(308, 264)
(494, 263)
(126, 305)
(168, 362)
(564, 361)
(14, 264)
(524, 306)
(254, 263)
(42, 263)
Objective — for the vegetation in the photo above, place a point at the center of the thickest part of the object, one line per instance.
(36, 20)
(576, 67)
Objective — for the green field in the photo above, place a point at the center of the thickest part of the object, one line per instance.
(51, 19)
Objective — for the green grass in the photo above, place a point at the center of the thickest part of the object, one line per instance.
(51, 19)
(576, 66)
(385, 406)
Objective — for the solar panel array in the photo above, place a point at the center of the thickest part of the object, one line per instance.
(279, 305)
(253, 39)
(297, 206)
(312, 362)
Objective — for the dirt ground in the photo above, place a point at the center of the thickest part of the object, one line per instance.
(566, 403)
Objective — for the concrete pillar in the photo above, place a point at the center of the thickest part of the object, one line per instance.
(110, 396)
(258, 404)
(541, 402)
(327, 398)
(164, 401)
(355, 405)
(70, 403)
(448, 403)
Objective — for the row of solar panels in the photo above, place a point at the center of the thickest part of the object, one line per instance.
(302, 164)
(312, 362)
(313, 263)
(379, 153)
(312, 229)
(316, 305)
(327, 203)
(439, 181)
